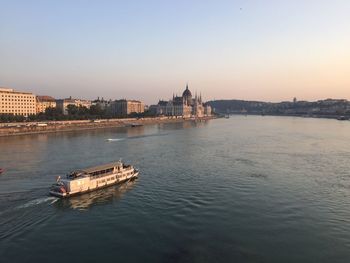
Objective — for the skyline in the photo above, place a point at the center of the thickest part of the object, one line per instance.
(231, 50)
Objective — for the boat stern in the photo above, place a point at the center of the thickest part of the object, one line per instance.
(57, 194)
(58, 190)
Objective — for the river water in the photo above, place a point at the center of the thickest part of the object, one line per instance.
(244, 189)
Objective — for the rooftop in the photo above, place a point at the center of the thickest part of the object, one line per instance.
(125, 100)
(8, 90)
(45, 98)
(101, 167)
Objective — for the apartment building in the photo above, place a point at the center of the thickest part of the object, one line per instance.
(62, 104)
(122, 108)
(44, 102)
(17, 102)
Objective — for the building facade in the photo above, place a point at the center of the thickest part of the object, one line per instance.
(44, 102)
(62, 104)
(16, 102)
(122, 108)
(102, 103)
(183, 106)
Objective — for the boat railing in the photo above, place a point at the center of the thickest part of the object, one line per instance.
(101, 175)
(75, 174)
(79, 174)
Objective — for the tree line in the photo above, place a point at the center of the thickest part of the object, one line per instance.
(73, 113)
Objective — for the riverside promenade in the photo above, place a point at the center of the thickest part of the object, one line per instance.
(23, 128)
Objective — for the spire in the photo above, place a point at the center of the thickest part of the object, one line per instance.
(187, 85)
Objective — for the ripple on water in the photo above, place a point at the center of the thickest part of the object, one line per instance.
(247, 189)
(25, 217)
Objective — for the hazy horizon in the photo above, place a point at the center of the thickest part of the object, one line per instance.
(249, 50)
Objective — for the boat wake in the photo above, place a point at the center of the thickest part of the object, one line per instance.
(38, 202)
(136, 137)
(147, 136)
(114, 140)
(26, 217)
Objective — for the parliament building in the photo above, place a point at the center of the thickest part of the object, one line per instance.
(183, 106)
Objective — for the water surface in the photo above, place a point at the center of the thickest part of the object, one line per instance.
(244, 189)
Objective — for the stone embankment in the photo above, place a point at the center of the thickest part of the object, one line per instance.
(22, 128)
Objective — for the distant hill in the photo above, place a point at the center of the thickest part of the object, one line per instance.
(223, 106)
(328, 107)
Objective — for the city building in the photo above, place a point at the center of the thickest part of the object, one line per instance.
(62, 104)
(183, 106)
(122, 108)
(207, 110)
(16, 102)
(44, 102)
(102, 103)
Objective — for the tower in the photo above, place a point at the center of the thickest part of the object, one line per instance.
(187, 95)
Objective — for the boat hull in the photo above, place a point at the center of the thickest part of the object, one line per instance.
(67, 195)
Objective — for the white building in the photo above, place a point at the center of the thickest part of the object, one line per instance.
(16, 102)
(183, 106)
(62, 104)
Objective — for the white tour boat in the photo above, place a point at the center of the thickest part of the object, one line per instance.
(90, 179)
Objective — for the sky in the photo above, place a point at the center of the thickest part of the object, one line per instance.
(268, 50)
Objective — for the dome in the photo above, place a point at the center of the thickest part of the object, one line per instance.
(187, 92)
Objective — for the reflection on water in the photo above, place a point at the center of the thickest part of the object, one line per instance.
(246, 189)
(102, 196)
(135, 131)
(148, 135)
(183, 125)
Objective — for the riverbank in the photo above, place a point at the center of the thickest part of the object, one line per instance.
(24, 128)
(318, 116)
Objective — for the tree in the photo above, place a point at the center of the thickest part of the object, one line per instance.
(10, 117)
(72, 109)
(96, 110)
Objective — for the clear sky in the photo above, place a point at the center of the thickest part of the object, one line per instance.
(268, 50)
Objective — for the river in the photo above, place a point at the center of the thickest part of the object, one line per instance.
(244, 189)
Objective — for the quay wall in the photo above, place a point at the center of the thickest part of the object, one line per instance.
(23, 128)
